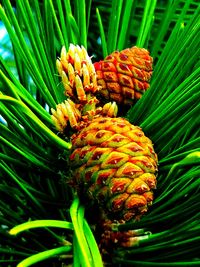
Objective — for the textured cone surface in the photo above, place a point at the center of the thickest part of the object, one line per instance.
(115, 165)
(124, 76)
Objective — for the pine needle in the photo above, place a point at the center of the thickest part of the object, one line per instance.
(34, 159)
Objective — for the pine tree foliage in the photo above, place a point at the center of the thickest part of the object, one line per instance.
(42, 222)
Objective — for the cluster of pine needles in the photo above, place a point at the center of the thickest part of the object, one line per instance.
(42, 222)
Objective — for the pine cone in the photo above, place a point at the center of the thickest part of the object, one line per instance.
(124, 76)
(115, 165)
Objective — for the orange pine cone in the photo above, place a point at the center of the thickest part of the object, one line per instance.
(115, 166)
(113, 163)
(124, 76)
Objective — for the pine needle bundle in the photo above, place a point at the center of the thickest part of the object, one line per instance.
(42, 220)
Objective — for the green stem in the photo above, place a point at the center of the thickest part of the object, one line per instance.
(77, 220)
(97, 259)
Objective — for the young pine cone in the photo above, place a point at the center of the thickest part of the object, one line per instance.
(124, 76)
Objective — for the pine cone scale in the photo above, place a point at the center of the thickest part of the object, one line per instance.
(124, 76)
(111, 169)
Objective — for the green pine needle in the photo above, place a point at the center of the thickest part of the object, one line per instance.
(23, 108)
(44, 255)
(35, 191)
(40, 223)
